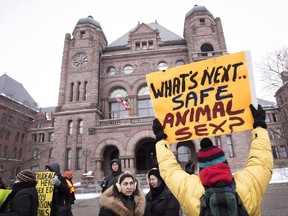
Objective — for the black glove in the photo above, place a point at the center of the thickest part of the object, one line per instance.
(158, 130)
(259, 116)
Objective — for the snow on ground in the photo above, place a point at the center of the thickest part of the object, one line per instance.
(279, 176)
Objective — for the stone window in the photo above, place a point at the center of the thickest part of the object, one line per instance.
(117, 110)
(162, 65)
(229, 142)
(68, 158)
(111, 71)
(184, 153)
(80, 126)
(202, 21)
(78, 159)
(206, 48)
(275, 152)
(70, 127)
(179, 62)
(283, 151)
(128, 69)
(145, 107)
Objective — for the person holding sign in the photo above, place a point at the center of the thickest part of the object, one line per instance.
(23, 199)
(251, 182)
(60, 201)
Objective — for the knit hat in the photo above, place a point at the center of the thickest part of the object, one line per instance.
(210, 155)
(155, 171)
(26, 175)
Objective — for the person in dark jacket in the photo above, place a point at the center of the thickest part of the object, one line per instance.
(123, 198)
(116, 169)
(23, 199)
(60, 200)
(159, 200)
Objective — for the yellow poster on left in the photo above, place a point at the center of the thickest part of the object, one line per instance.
(205, 98)
(45, 192)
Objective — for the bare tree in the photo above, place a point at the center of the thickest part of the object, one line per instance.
(274, 70)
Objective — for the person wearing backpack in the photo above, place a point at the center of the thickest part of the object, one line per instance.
(250, 183)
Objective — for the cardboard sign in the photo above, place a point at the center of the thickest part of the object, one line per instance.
(45, 192)
(205, 98)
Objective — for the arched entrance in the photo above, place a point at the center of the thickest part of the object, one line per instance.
(145, 155)
(110, 152)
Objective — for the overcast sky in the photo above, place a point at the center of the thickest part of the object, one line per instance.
(33, 31)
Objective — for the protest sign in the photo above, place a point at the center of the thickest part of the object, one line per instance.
(205, 98)
(45, 192)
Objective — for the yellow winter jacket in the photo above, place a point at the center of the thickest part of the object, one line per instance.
(251, 182)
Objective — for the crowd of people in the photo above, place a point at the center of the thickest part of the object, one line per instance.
(171, 187)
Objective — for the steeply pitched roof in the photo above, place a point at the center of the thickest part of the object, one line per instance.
(265, 103)
(165, 35)
(14, 90)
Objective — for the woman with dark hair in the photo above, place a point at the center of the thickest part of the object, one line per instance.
(159, 200)
(124, 198)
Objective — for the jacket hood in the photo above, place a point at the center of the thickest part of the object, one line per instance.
(54, 167)
(118, 161)
(111, 201)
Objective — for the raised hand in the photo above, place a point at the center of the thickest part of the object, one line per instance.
(158, 130)
(259, 116)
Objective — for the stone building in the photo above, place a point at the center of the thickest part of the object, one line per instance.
(89, 127)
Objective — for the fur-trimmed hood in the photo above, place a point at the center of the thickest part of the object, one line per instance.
(110, 201)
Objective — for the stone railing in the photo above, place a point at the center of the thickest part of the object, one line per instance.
(126, 121)
(204, 55)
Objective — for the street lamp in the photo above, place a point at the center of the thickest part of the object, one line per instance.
(86, 152)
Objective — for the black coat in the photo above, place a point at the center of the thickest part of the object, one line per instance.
(60, 201)
(163, 205)
(112, 177)
(22, 201)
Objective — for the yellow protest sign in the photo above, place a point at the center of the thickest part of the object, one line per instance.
(45, 192)
(205, 98)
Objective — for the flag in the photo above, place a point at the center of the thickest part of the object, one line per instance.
(124, 103)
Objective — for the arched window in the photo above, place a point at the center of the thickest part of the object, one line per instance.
(80, 126)
(70, 127)
(205, 48)
(85, 91)
(145, 107)
(184, 153)
(116, 109)
(68, 159)
(78, 91)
